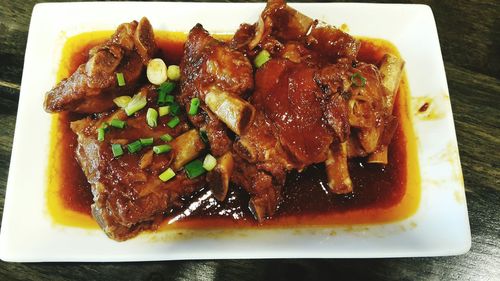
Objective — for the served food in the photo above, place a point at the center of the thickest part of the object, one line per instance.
(285, 95)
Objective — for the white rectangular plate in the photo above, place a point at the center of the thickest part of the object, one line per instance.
(439, 227)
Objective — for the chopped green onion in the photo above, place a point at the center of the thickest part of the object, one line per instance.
(166, 87)
(100, 134)
(156, 71)
(122, 101)
(173, 72)
(175, 109)
(152, 117)
(166, 137)
(159, 149)
(120, 79)
(194, 169)
(167, 175)
(134, 146)
(117, 149)
(118, 123)
(209, 163)
(164, 110)
(204, 136)
(146, 141)
(261, 58)
(193, 108)
(137, 103)
(169, 99)
(105, 126)
(161, 98)
(173, 122)
(358, 80)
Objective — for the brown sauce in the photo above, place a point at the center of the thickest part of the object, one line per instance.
(381, 193)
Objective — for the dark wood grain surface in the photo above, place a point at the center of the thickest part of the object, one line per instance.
(470, 40)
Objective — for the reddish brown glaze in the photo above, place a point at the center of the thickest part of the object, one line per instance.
(305, 194)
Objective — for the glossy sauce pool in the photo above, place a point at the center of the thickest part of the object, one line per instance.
(381, 193)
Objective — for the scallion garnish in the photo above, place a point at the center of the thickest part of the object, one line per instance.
(120, 79)
(163, 110)
(174, 72)
(161, 98)
(209, 163)
(261, 58)
(122, 101)
(166, 87)
(175, 109)
(167, 175)
(159, 149)
(166, 137)
(118, 123)
(169, 99)
(137, 103)
(173, 122)
(100, 134)
(146, 141)
(204, 136)
(152, 117)
(193, 107)
(134, 146)
(194, 169)
(358, 80)
(105, 126)
(117, 149)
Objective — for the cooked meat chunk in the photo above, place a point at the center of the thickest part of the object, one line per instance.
(220, 77)
(260, 166)
(128, 195)
(287, 94)
(92, 87)
(332, 43)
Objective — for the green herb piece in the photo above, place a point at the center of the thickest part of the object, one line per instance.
(209, 163)
(194, 169)
(166, 137)
(173, 122)
(175, 109)
(167, 175)
(169, 99)
(261, 58)
(118, 123)
(134, 146)
(193, 107)
(117, 149)
(146, 141)
(100, 134)
(173, 72)
(137, 103)
(159, 149)
(152, 117)
(120, 79)
(166, 87)
(163, 110)
(122, 101)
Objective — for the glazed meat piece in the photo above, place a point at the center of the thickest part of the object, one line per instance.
(287, 94)
(278, 23)
(220, 77)
(128, 194)
(260, 167)
(92, 87)
(332, 43)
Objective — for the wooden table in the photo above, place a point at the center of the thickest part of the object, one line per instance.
(470, 40)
